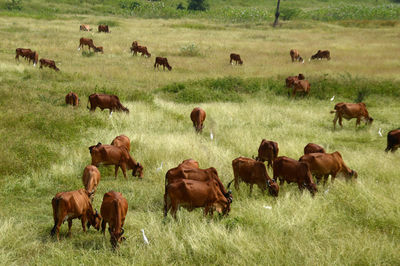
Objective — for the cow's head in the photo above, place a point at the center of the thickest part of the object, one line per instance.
(240, 62)
(316, 55)
(138, 170)
(300, 76)
(116, 237)
(301, 59)
(169, 67)
(273, 187)
(94, 219)
(312, 188)
(351, 174)
(91, 147)
(98, 49)
(369, 120)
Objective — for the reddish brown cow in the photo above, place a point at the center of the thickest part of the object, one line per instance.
(198, 116)
(84, 27)
(71, 205)
(105, 101)
(22, 52)
(393, 140)
(294, 54)
(349, 111)
(112, 155)
(162, 61)
(140, 49)
(267, 151)
(113, 211)
(49, 63)
(236, 58)
(33, 56)
(253, 172)
(122, 141)
(72, 99)
(313, 148)
(291, 79)
(325, 164)
(91, 179)
(103, 28)
(321, 54)
(86, 41)
(290, 170)
(301, 86)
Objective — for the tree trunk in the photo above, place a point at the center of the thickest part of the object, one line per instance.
(277, 14)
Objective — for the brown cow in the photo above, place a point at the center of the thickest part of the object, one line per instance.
(120, 157)
(198, 116)
(86, 41)
(267, 151)
(122, 141)
(294, 54)
(290, 170)
(103, 28)
(349, 111)
(71, 205)
(33, 56)
(49, 63)
(313, 148)
(192, 194)
(301, 86)
(162, 61)
(22, 52)
(321, 54)
(140, 49)
(72, 99)
(113, 211)
(253, 172)
(84, 27)
(325, 164)
(236, 58)
(105, 101)
(291, 79)
(91, 179)
(393, 140)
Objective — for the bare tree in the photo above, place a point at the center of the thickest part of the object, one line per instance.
(277, 14)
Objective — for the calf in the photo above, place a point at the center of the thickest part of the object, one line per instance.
(267, 151)
(162, 61)
(71, 205)
(88, 42)
(84, 27)
(72, 99)
(313, 148)
(349, 111)
(22, 52)
(49, 63)
(33, 56)
(289, 81)
(198, 116)
(393, 140)
(301, 86)
(91, 179)
(140, 49)
(294, 54)
(236, 58)
(321, 54)
(105, 101)
(103, 28)
(122, 141)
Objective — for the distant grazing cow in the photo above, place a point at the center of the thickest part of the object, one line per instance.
(291, 79)
(267, 151)
(198, 116)
(253, 172)
(72, 99)
(88, 42)
(103, 28)
(301, 86)
(162, 61)
(122, 141)
(71, 205)
(113, 211)
(91, 179)
(313, 148)
(22, 52)
(294, 54)
(321, 54)
(84, 27)
(349, 111)
(105, 101)
(49, 63)
(393, 140)
(140, 49)
(236, 58)
(112, 155)
(325, 164)
(290, 170)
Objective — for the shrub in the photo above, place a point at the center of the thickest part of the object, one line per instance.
(190, 50)
(128, 4)
(289, 13)
(14, 5)
(180, 6)
(198, 5)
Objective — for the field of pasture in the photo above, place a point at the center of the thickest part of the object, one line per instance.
(44, 146)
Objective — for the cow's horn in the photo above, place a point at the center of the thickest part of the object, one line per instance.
(98, 144)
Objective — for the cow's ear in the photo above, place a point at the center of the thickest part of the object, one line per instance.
(98, 144)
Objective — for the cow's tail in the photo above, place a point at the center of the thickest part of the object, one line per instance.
(55, 203)
(333, 111)
(166, 199)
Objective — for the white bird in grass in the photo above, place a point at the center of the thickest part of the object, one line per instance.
(326, 191)
(110, 114)
(267, 207)
(146, 241)
(160, 168)
(333, 98)
(211, 135)
(380, 132)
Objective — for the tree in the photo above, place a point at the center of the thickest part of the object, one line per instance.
(198, 5)
(277, 14)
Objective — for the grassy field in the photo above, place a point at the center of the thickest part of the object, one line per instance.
(45, 144)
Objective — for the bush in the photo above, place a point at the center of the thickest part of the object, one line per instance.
(198, 5)
(14, 5)
(190, 50)
(289, 13)
(180, 6)
(128, 4)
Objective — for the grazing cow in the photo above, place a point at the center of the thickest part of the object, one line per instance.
(71, 205)
(192, 194)
(313, 148)
(236, 58)
(122, 141)
(393, 140)
(103, 28)
(294, 54)
(321, 54)
(49, 63)
(86, 41)
(162, 61)
(290, 170)
(253, 172)
(105, 101)
(72, 99)
(301, 86)
(91, 179)
(267, 151)
(22, 52)
(140, 49)
(291, 79)
(84, 27)
(33, 56)
(325, 164)
(120, 157)
(198, 116)
(113, 211)
(349, 111)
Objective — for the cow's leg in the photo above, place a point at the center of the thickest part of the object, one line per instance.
(230, 62)
(123, 167)
(281, 181)
(340, 120)
(333, 176)
(116, 171)
(83, 221)
(206, 210)
(326, 179)
(300, 185)
(251, 188)
(103, 226)
(358, 121)
(318, 177)
(334, 121)
(174, 209)
(69, 227)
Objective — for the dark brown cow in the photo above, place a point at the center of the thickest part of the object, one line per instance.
(49, 63)
(162, 61)
(72, 99)
(140, 49)
(313, 148)
(393, 140)
(198, 116)
(84, 27)
(86, 41)
(253, 172)
(22, 52)
(122, 141)
(321, 54)
(294, 54)
(34, 57)
(301, 86)
(267, 151)
(105, 101)
(103, 28)
(112, 155)
(290, 170)
(291, 79)
(349, 111)
(236, 58)
(192, 194)
(113, 211)
(91, 179)
(71, 205)
(325, 164)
